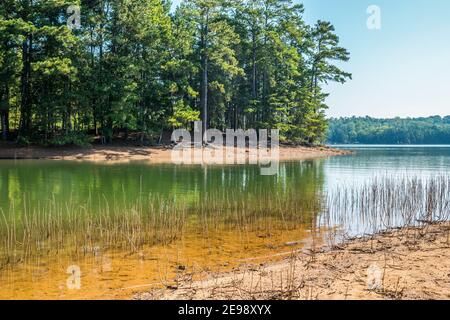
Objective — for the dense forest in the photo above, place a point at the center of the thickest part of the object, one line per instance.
(142, 67)
(367, 130)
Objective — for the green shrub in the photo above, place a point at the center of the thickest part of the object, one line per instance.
(23, 141)
(71, 139)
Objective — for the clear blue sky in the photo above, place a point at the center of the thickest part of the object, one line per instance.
(402, 69)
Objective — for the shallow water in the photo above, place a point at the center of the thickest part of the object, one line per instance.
(231, 215)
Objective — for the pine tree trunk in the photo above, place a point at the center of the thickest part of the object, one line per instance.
(204, 82)
(4, 119)
(25, 104)
(204, 94)
(5, 124)
(254, 93)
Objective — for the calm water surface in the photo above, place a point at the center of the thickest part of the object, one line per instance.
(32, 183)
(278, 209)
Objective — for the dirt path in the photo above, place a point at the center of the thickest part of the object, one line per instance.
(126, 153)
(411, 263)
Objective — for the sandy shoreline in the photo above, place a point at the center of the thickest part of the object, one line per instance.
(410, 263)
(152, 154)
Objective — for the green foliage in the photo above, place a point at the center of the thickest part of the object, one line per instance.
(367, 130)
(23, 141)
(183, 116)
(136, 66)
(78, 139)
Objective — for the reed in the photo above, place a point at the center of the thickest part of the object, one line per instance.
(57, 227)
(388, 202)
(70, 228)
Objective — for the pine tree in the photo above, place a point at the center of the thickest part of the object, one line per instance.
(134, 66)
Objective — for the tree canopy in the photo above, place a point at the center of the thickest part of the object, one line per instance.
(367, 130)
(137, 66)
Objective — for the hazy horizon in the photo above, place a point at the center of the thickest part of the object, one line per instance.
(391, 118)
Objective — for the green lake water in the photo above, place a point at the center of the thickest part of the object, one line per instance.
(26, 185)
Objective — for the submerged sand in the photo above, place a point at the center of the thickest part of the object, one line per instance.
(409, 263)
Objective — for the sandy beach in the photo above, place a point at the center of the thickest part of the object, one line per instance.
(152, 154)
(409, 263)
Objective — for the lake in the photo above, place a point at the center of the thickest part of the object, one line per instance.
(132, 225)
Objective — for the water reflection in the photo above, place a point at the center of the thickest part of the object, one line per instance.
(32, 183)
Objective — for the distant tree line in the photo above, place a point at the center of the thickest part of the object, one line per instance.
(367, 130)
(136, 66)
